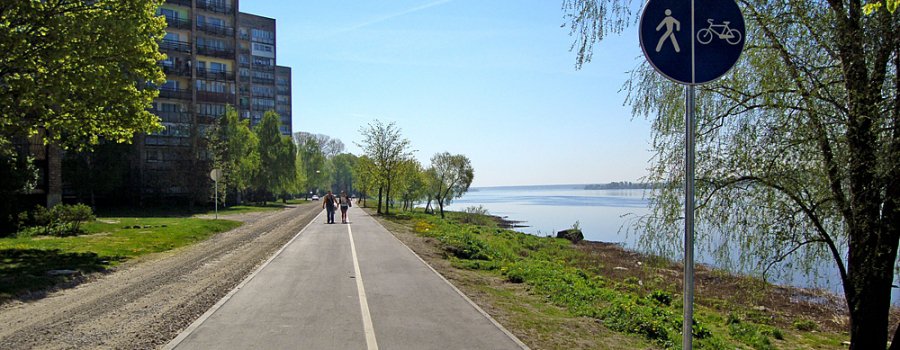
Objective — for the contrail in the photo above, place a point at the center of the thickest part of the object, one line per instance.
(394, 15)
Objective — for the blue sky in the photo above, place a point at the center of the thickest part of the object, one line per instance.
(493, 80)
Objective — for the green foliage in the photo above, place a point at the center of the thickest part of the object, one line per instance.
(277, 154)
(61, 220)
(387, 149)
(547, 267)
(475, 215)
(805, 325)
(800, 160)
(236, 150)
(450, 177)
(80, 70)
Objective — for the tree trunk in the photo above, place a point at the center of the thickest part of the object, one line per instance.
(441, 205)
(379, 200)
(387, 198)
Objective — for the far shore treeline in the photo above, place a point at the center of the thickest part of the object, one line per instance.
(624, 185)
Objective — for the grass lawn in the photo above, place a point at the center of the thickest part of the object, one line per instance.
(25, 261)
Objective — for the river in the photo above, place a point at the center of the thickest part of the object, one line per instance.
(601, 214)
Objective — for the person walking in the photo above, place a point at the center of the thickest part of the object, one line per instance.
(344, 201)
(329, 203)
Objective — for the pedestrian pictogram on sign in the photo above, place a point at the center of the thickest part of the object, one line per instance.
(670, 23)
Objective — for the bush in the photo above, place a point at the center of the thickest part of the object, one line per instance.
(62, 219)
(805, 325)
(475, 215)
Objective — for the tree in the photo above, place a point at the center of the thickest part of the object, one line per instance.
(364, 177)
(387, 148)
(73, 72)
(277, 155)
(451, 177)
(329, 146)
(804, 158)
(236, 151)
(80, 70)
(313, 165)
(343, 172)
(412, 183)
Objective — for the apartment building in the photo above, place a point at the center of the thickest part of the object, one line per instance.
(216, 57)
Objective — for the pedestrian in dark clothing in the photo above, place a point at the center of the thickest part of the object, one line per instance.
(344, 201)
(330, 204)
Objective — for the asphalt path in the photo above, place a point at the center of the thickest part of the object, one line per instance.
(345, 286)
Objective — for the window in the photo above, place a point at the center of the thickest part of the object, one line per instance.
(264, 36)
(170, 85)
(211, 43)
(264, 75)
(169, 13)
(263, 90)
(172, 37)
(171, 107)
(214, 86)
(212, 109)
(217, 67)
(245, 73)
(263, 61)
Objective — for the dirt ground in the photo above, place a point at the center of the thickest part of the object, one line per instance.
(146, 302)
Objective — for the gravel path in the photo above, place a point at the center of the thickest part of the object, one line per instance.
(146, 303)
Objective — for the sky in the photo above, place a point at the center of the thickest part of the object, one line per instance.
(492, 80)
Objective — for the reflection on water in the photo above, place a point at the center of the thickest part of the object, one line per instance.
(602, 215)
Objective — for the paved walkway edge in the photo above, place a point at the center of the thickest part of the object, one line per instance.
(466, 298)
(199, 321)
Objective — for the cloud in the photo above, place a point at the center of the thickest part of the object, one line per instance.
(391, 16)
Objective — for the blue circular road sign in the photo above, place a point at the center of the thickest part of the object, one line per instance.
(692, 41)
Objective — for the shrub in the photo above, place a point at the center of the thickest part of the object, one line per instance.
(475, 215)
(805, 325)
(662, 297)
(62, 219)
(467, 245)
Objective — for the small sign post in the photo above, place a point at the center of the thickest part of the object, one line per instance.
(216, 175)
(681, 52)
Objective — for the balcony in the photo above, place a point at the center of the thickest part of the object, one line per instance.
(209, 96)
(264, 81)
(213, 7)
(221, 52)
(179, 70)
(173, 117)
(262, 107)
(175, 45)
(179, 2)
(263, 68)
(179, 23)
(215, 29)
(180, 94)
(210, 74)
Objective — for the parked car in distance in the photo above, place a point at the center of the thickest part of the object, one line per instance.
(315, 197)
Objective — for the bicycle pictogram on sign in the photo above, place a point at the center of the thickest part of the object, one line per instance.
(705, 35)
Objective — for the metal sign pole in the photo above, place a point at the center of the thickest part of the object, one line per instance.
(217, 199)
(689, 132)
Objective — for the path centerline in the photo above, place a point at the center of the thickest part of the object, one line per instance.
(369, 329)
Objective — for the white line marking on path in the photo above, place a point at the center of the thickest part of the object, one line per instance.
(371, 343)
